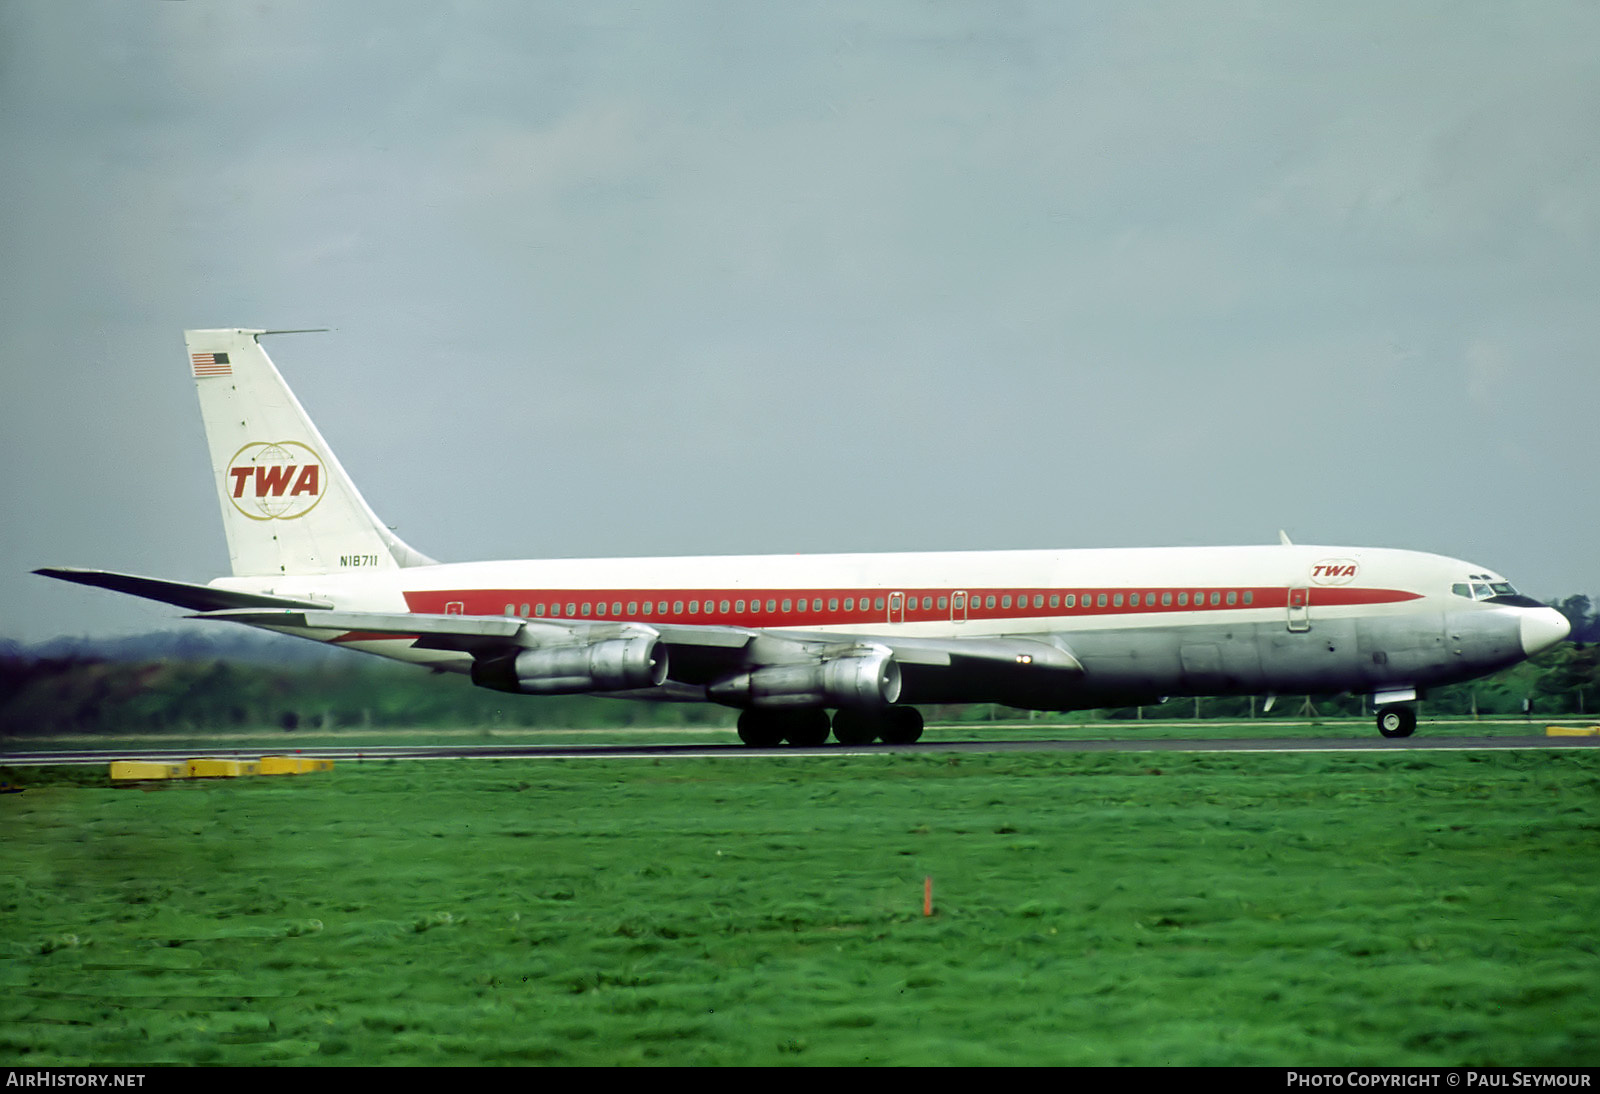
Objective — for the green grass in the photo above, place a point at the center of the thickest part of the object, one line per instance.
(1416, 909)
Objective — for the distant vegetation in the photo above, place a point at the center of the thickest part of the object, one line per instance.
(194, 680)
(278, 684)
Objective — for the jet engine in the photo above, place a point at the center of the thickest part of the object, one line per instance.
(866, 679)
(615, 664)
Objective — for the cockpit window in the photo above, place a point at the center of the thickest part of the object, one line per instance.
(1486, 589)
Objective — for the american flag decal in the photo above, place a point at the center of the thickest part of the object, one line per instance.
(211, 364)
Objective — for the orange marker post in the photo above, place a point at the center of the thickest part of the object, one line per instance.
(927, 895)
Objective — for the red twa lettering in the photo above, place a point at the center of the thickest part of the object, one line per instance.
(273, 480)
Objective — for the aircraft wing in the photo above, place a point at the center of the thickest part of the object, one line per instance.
(699, 654)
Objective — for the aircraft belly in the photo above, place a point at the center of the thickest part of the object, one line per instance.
(1216, 660)
(1401, 649)
(1325, 658)
(1124, 667)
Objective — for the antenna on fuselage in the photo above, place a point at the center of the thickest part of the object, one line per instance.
(1283, 538)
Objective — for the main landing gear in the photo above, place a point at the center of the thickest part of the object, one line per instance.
(808, 727)
(1397, 721)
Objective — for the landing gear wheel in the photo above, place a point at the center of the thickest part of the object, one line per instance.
(806, 728)
(760, 729)
(1397, 721)
(854, 727)
(901, 725)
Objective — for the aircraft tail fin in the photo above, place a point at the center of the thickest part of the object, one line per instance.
(288, 507)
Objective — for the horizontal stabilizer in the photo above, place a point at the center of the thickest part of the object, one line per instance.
(199, 598)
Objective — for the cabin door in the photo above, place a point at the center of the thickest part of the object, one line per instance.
(1300, 608)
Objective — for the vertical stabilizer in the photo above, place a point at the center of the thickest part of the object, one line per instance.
(287, 505)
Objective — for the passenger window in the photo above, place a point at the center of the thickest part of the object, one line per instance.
(788, 603)
(988, 601)
(572, 609)
(723, 607)
(944, 602)
(1233, 598)
(879, 604)
(1055, 600)
(1101, 600)
(633, 607)
(849, 603)
(833, 603)
(599, 609)
(816, 604)
(1249, 598)
(1216, 598)
(538, 609)
(587, 607)
(647, 606)
(1166, 600)
(772, 605)
(694, 607)
(1072, 600)
(661, 607)
(677, 607)
(1183, 600)
(1005, 602)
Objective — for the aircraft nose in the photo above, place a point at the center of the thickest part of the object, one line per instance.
(1542, 628)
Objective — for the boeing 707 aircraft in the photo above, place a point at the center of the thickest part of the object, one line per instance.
(788, 638)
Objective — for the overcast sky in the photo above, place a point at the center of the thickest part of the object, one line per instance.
(705, 278)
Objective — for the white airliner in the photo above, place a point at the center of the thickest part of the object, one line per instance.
(787, 638)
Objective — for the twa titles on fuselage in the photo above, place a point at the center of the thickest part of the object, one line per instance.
(789, 638)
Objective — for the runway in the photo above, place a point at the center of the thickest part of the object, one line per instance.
(568, 751)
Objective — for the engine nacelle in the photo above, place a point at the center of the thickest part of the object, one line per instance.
(615, 664)
(857, 680)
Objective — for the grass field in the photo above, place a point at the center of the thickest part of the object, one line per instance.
(1391, 908)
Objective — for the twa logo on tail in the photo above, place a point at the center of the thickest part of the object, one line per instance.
(1334, 571)
(275, 481)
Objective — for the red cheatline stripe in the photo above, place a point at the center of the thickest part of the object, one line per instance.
(825, 607)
